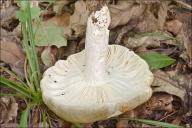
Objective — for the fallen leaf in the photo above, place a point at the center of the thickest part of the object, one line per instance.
(151, 40)
(49, 34)
(148, 22)
(155, 60)
(10, 52)
(63, 123)
(162, 13)
(173, 26)
(78, 21)
(10, 125)
(18, 68)
(125, 29)
(65, 51)
(122, 124)
(184, 82)
(47, 57)
(40, 125)
(161, 101)
(12, 108)
(81, 45)
(61, 20)
(124, 11)
(163, 83)
(177, 121)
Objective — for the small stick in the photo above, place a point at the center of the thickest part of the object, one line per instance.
(168, 115)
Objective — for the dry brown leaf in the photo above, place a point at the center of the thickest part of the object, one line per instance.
(81, 45)
(122, 124)
(161, 101)
(163, 83)
(61, 20)
(147, 23)
(63, 123)
(12, 108)
(149, 41)
(141, 111)
(10, 125)
(162, 13)
(125, 29)
(184, 35)
(18, 68)
(121, 14)
(177, 121)
(77, 21)
(173, 26)
(184, 82)
(125, 11)
(40, 125)
(8, 13)
(10, 52)
(65, 51)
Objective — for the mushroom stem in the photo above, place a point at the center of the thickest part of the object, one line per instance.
(96, 47)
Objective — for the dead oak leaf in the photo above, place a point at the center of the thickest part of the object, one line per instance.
(163, 83)
(61, 20)
(124, 11)
(10, 52)
(12, 108)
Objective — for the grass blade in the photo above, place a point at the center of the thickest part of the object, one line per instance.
(151, 122)
(44, 118)
(17, 89)
(77, 125)
(4, 94)
(49, 119)
(24, 116)
(14, 76)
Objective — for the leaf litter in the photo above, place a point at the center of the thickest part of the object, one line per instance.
(172, 84)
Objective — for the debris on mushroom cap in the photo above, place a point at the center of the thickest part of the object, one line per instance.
(100, 82)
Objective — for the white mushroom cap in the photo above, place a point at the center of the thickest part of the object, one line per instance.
(66, 93)
(94, 85)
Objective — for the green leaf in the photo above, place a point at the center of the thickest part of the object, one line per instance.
(23, 4)
(24, 116)
(151, 122)
(21, 15)
(35, 12)
(156, 60)
(49, 34)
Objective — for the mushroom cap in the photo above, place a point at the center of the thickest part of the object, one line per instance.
(66, 93)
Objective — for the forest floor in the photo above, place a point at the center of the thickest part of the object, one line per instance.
(143, 26)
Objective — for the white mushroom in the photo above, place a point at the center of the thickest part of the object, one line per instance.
(100, 82)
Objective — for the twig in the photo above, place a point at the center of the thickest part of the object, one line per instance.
(168, 115)
(183, 4)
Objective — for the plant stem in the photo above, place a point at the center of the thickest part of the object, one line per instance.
(27, 48)
(42, 17)
(32, 43)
